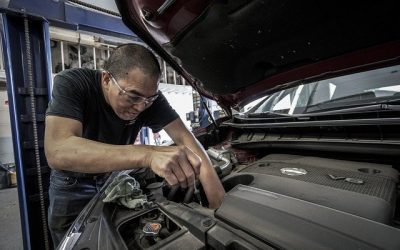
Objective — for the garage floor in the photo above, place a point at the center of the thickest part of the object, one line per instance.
(10, 223)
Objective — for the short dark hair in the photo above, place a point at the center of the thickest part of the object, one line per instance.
(130, 56)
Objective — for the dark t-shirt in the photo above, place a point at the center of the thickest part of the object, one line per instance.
(77, 94)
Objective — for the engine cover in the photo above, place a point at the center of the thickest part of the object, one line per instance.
(364, 189)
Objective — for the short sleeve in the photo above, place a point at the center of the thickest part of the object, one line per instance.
(67, 98)
(159, 114)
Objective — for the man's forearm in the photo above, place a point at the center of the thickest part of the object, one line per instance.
(211, 185)
(82, 155)
(209, 179)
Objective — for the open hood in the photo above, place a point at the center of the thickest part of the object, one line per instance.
(236, 51)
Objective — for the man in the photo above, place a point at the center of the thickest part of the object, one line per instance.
(92, 122)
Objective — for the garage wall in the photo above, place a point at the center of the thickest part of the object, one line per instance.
(6, 144)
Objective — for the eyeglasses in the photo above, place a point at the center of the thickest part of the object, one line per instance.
(131, 98)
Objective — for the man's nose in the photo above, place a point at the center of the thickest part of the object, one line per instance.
(139, 107)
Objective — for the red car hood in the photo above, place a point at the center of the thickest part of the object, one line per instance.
(236, 51)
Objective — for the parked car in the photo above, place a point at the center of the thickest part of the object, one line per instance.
(313, 164)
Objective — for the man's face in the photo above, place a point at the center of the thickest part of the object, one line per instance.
(128, 97)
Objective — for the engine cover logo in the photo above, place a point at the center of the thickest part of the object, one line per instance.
(293, 171)
(347, 179)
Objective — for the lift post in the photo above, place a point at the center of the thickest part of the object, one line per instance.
(27, 58)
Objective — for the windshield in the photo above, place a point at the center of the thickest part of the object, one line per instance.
(335, 93)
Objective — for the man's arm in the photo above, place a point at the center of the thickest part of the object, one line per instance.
(208, 177)
(66, 150)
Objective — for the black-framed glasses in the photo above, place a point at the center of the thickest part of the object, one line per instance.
(133, 98)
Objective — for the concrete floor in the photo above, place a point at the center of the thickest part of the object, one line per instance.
(10, 223)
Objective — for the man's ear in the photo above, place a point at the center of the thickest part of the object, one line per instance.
(105, 80)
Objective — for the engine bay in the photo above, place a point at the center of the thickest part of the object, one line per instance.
(274, 199)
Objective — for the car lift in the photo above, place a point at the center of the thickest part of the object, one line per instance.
(27, 54)
(27, 57)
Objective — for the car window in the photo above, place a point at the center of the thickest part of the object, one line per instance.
(338, 92)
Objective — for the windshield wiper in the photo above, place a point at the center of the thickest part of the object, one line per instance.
(334, 102)
(358, 108)
(359, 99)
(268, 114)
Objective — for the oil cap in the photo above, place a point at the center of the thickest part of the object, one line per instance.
(151, 228)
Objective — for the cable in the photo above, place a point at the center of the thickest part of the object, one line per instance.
(91, 6)
(35, 132)
(196, 191)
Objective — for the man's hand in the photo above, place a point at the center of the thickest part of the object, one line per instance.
(177, 164)
(209, 179)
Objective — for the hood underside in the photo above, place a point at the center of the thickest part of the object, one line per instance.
(235, 51)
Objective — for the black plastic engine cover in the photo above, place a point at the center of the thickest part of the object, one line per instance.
(289, 223)
(370, 193)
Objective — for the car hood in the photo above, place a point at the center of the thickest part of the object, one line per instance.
(236, 51)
